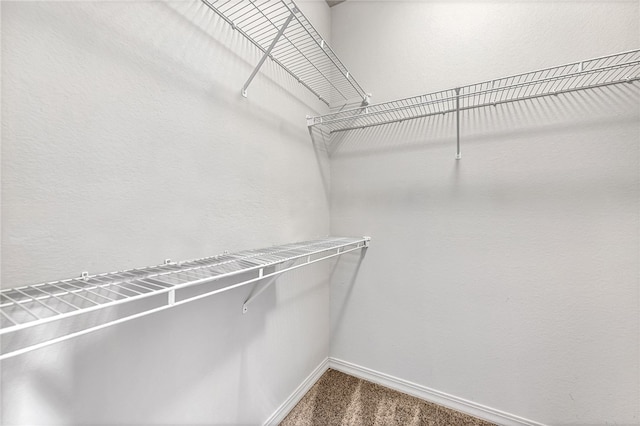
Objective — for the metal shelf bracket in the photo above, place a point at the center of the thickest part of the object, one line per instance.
(268, 52)
(458, 154)
(290, 265)
(267, 284)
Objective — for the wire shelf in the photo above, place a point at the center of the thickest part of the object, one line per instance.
(26, 307)
(607, 70)
(299, 49)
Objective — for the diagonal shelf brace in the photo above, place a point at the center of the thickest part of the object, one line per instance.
(267, 284)
(291, 264)
(268, 52)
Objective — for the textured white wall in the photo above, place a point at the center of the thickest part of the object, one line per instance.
(125, 141)
(509, 278)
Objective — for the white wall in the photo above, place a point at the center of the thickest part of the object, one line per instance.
(125, 141)
(509, 278)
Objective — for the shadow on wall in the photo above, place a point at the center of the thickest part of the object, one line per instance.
(125, 372)
(550, 114)
(290, 295)
(190, 46)
(320, 141)
(341, 291)
(216, 30)
(169, 51)
(544, 156)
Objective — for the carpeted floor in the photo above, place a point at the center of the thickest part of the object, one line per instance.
(340, 399)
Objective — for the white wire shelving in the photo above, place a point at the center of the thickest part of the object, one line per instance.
(597, 72)
(282, 33)
(28, 308)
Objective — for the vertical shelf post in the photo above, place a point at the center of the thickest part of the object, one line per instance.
(267, 53)
(458, 153)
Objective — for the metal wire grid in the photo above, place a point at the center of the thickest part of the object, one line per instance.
(612, 69)
(32, 305)
(301, 51)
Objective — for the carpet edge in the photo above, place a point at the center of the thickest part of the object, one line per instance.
(285, 408)
(450, 401)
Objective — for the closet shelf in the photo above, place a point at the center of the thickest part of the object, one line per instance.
(25, 308)
(282, 32)
(603, 71)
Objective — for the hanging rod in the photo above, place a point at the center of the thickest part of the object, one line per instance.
(597, 72)
(282, 32)
(22, 309)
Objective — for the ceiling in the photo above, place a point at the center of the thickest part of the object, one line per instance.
(332, 3)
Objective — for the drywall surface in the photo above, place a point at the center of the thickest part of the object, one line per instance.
(511, 277)
(125, 141)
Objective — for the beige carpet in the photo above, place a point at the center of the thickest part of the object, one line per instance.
(340, 399)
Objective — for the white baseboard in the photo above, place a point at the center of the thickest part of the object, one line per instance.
(297, 394)
(432, 395)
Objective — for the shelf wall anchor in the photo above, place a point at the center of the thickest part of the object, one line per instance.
(271, 280)
(267, 53)
(458, 153)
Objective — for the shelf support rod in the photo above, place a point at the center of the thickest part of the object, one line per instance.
(272, 279)
(458, 153)
(267, 53)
